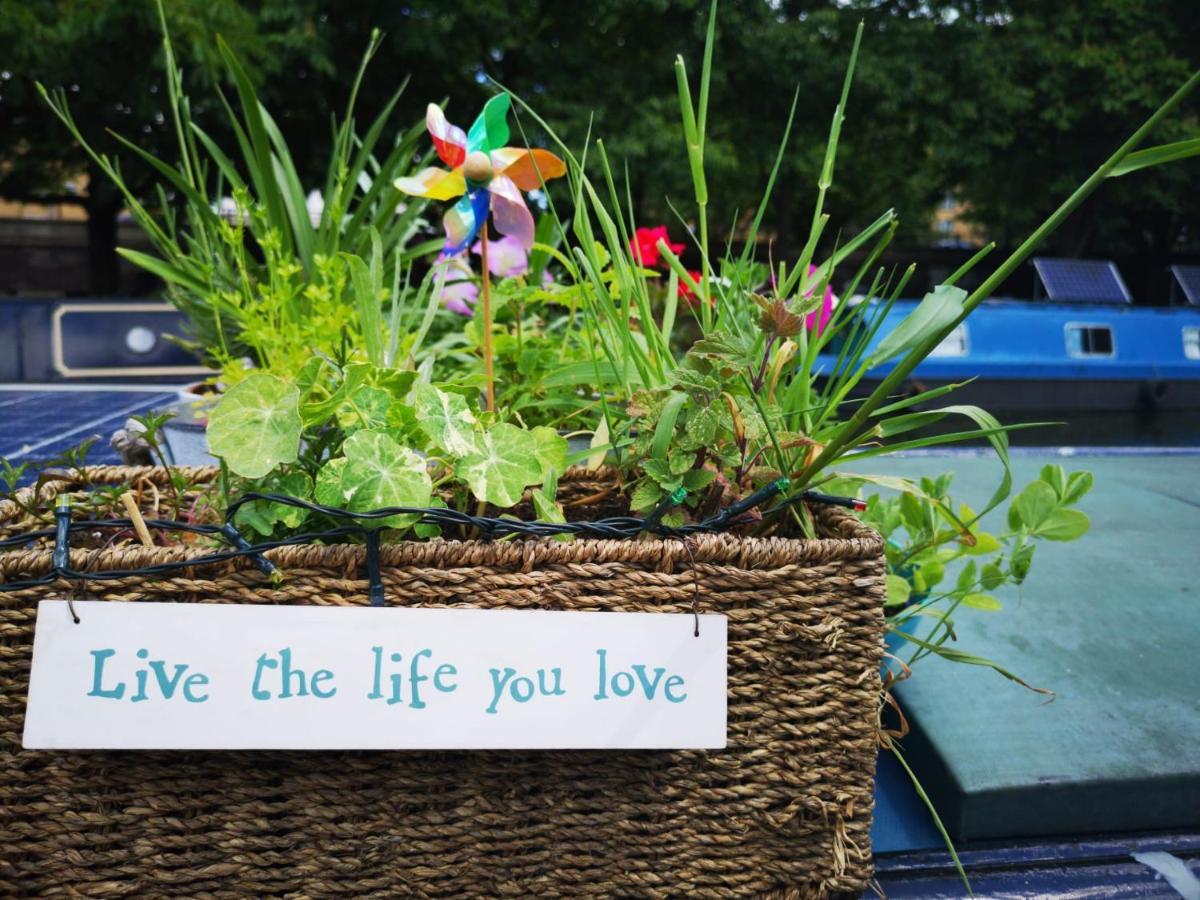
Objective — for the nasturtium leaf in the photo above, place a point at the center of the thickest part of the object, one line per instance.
(1064, 525)
(445, 419)
(982, 601)
(367, 407)
(256, 425)
(1035, 504)
(500, 465)
(898, 590)
(311, 373)
(395, 381)
(328, 490)
(379, 472)
(263, 516)
(552, 450)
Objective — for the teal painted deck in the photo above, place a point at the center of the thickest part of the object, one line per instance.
(1111, 623)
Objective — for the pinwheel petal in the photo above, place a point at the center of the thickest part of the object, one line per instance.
(463, 220)
(450, 140)
(528, 168)
(436, 184)
(490, 130)
(509, 211)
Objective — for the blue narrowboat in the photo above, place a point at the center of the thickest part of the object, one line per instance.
(1065, 352)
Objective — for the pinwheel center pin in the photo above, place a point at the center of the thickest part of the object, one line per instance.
(478, 167)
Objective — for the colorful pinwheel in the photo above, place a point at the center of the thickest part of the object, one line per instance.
(488, 176)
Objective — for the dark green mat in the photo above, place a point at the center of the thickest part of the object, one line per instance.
(1111, 623)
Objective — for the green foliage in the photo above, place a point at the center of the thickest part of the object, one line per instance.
(935, 566)
(256, 426)
(243, 276)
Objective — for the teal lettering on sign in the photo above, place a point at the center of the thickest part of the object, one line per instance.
(163, 686)
(622, 683)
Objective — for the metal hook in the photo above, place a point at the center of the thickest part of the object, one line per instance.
(79, 592)
(687, 544)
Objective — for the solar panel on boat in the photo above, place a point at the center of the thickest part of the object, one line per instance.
(1081, 280)
(1187, 281)
(35, 425)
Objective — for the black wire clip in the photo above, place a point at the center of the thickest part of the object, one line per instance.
(374, 579)
(234, 537)
(60, 559)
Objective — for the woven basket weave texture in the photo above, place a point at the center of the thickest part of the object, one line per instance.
(785, 810)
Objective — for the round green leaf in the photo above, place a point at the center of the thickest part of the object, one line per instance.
(1064, 525)
(445, 419)
(379, 472)
(256, 425)
(1034, 504)
(501, 465)
(328, 489)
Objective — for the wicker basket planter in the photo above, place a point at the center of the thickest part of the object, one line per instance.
(785, 809)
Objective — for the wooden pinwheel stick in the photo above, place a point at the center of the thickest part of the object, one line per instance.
(488, 371)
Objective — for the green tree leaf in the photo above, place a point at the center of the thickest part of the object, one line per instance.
(985, 543)
(1034, 504)
(500, 465)
(898, 590)
(1078, 484)
(445, 419)
(966, 577)
(256, 425)
(1022, 559)
(982, 601)
(1064, 525)
(1055, 477)
(991, 576)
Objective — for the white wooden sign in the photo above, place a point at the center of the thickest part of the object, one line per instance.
(218, 676)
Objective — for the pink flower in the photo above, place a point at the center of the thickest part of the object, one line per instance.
(506, 257)
(819, 318)
(455, 287)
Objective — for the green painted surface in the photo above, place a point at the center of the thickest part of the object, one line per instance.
(1111, 624)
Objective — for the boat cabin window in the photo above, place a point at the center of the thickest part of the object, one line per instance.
(1090, 340)
(953, 344)
(1191, 343)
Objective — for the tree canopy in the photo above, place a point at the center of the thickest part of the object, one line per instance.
(1006, 103)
